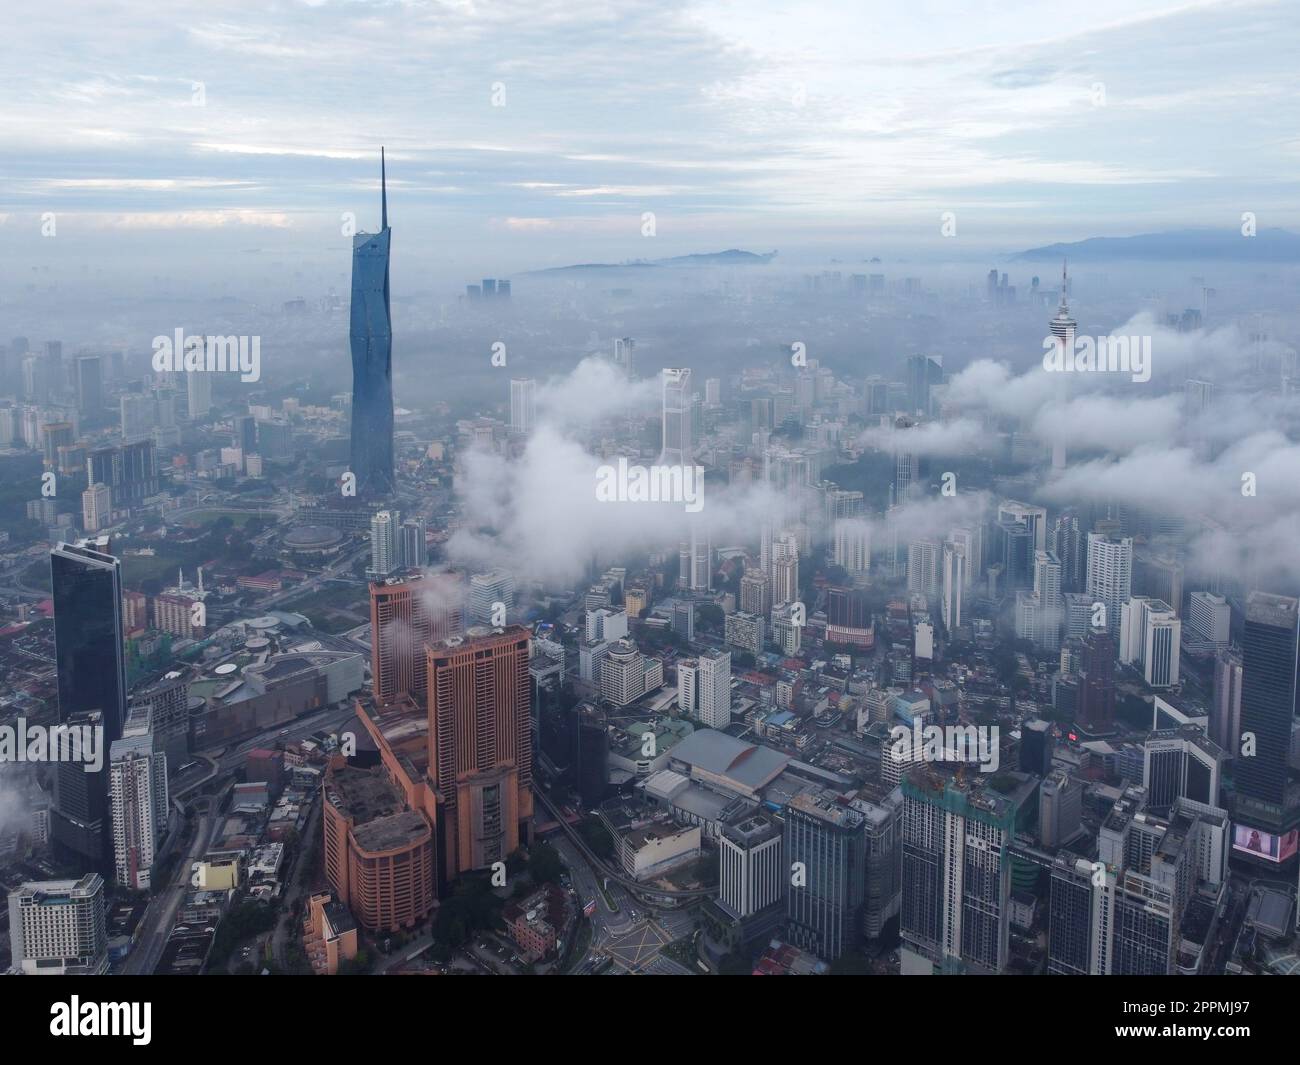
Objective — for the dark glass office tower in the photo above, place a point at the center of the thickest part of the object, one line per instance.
(91, 663)
(1268, 701)
(824, 909)
(372, 358)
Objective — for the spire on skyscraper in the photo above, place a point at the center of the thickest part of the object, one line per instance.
(383, 190)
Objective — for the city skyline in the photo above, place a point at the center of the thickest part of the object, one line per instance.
(808, 493)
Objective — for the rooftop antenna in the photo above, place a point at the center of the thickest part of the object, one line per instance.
(383, 189)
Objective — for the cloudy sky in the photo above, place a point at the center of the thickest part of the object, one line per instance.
(737, 124)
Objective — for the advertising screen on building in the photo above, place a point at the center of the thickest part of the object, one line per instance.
(1263, 844)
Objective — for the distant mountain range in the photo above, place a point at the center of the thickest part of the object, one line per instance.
(1268, 245)
(731, 257)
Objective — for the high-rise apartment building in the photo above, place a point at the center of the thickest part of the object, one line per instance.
(138, 797)
(745, 632)
(385, 545)
(1110, 575)
(923, 568)
(852, 545)
(956, 839)
(406, 615)
(755, 593)
(130, 470)
(523, 404)
(480, 746)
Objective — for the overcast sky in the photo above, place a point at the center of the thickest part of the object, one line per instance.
(736, 124)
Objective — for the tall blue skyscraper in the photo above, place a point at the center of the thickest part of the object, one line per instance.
(372, 357)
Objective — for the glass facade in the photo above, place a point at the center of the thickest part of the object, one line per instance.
(371, 335)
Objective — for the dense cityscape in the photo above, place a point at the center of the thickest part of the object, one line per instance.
(720, 612)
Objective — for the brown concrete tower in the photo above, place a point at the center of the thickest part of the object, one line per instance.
(406, 613)
(480, 746)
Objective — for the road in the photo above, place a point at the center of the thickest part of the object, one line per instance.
(312, 583)
(160, 916)
(616, 876)
(299, 883)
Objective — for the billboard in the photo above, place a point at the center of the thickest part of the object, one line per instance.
(1263, 844)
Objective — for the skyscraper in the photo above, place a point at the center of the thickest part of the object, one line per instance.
(371, 334)
(677, 444)
(480, 747)
(90, 385)
(413, 551)
(624, 353)
(954, 584)
(714, 689)
(385, 545)
(1096, 710)
(198, 394)
(138, 798)
(91, 665)
(130, 470)
(907, 463)
(523, 404)
(752, 874)
(486, 591)
(923, 371)
(826, 854)
(852, 545)
(701, 560)
(1225, 714)
(956, 840)
(1039, 613)
(923, 568)
(1149, 639)
(405, 615)
(1110, 574)
(1067, 543)
(1264, 802)
(1123, 914)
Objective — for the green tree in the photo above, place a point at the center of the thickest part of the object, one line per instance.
(544, 864)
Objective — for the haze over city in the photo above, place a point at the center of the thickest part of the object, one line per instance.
(688, 489)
